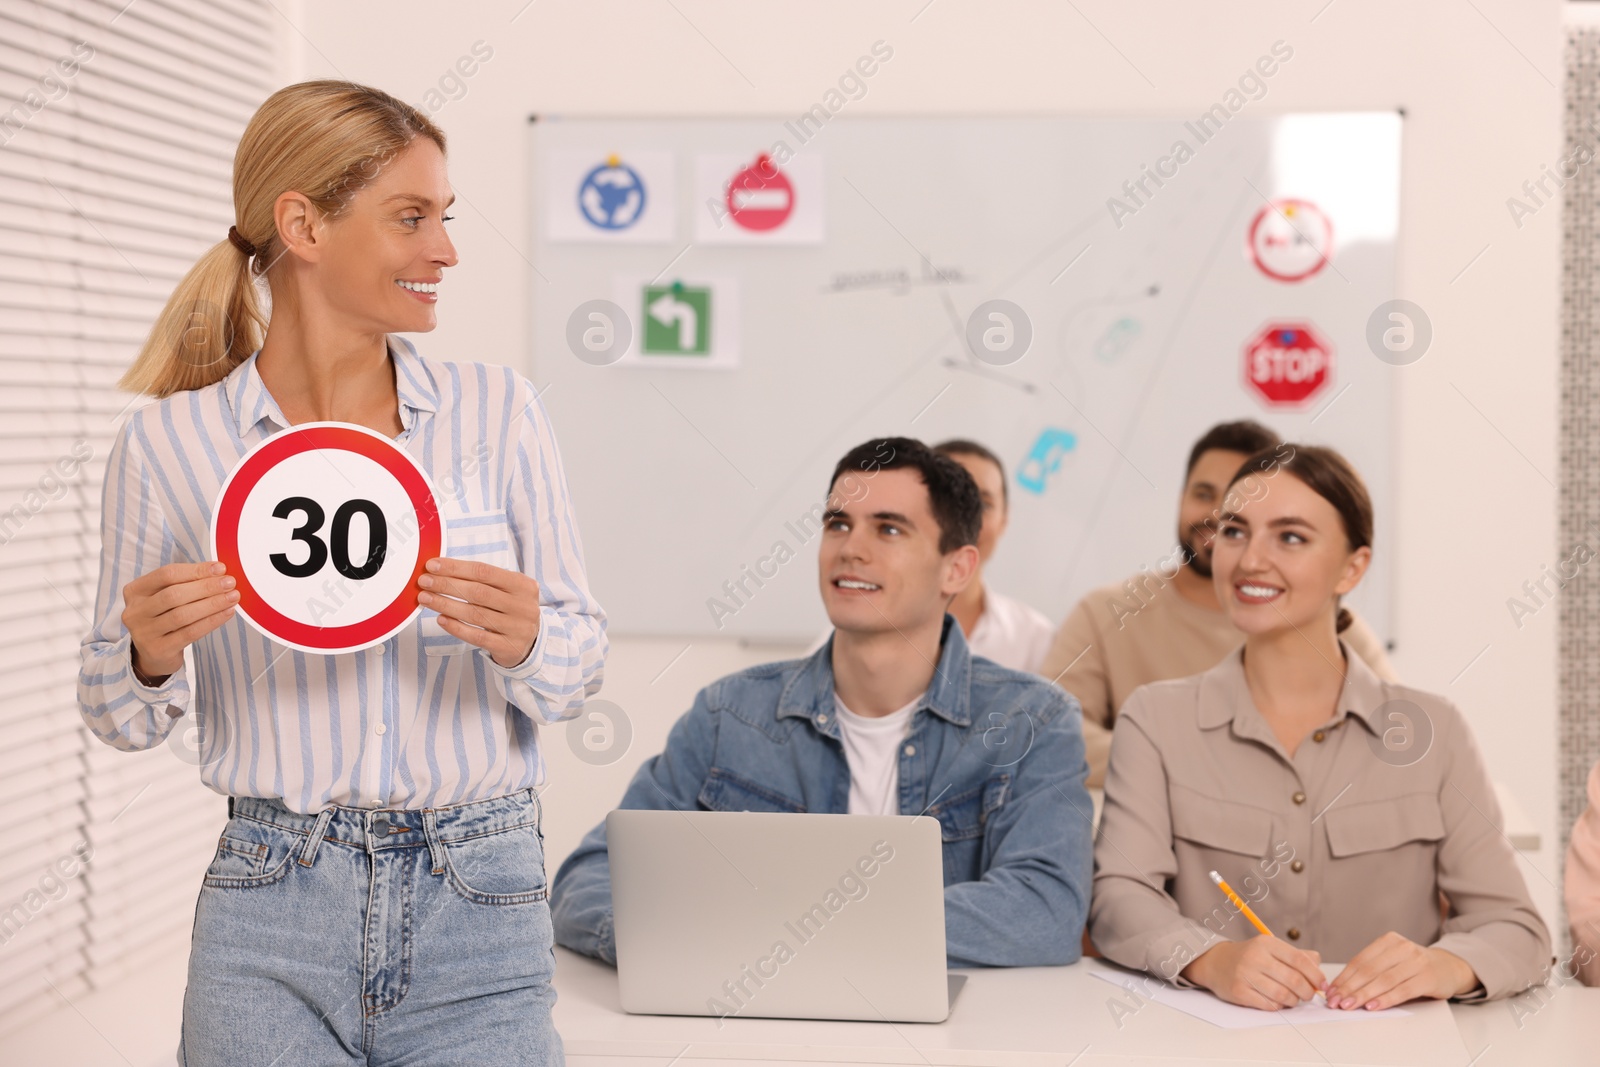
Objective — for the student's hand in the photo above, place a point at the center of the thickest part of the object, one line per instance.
(1262, 972)
(501, 613)
(1393, 970)
(171, 607)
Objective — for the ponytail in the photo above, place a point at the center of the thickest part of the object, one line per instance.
(1344, 620)
(211, 324)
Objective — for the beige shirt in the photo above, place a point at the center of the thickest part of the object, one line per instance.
(1120, 637)
(1382, 809)
(1583, 887)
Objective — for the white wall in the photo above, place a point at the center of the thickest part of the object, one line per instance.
(1477, 434)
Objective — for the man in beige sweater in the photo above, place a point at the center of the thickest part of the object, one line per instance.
(1165, 622)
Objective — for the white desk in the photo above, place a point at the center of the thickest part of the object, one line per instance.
(1048, 1015)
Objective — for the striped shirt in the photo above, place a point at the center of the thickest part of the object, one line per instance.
(421, 720)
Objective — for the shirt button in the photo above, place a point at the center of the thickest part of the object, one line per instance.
(1319, 736)
(1294, 933)
(1297, 866)
(911, 750)
(1299, 798)
(380, 729)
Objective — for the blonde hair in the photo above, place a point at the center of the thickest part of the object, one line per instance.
(324, 139)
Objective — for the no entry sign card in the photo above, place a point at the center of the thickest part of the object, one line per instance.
(326, 527)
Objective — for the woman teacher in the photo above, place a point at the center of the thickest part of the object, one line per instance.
(378, 893)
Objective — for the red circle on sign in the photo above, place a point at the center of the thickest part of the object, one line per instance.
(1306, 223)
(760, 196)
(1287, 363)
(308, 437)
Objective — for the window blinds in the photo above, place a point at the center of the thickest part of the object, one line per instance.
(117, 128)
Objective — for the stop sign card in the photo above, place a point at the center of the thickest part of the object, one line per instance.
(326, 527)
(1288, 364)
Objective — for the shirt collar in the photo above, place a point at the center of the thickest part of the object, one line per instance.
(1225, 696)
(251, 402)
(810, 692)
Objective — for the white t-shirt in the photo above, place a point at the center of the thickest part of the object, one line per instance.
(1011, 633)
(872, 751)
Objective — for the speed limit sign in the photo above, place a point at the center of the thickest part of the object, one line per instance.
(326, 526)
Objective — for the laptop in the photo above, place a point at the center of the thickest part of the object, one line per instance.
(776, 915)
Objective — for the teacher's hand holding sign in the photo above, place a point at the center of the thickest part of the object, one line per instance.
(171, 607)
(495, 609)
(333, 534)
(327, 526)
(298, 571)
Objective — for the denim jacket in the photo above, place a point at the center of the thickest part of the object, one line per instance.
(996, 755)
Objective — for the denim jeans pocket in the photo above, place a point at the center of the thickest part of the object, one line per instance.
(503, 867)
(251, 853)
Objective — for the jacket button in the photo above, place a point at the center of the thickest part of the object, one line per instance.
(822, 718)
(1294, 933)
(1297, 866)
(1299, 798)
(1319, 736)
(911, 750)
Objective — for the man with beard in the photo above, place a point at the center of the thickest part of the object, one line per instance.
(1166, 622)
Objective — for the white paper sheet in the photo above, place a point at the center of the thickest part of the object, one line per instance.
(1203, 1004)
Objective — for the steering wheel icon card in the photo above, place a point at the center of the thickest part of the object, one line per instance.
(326, 527)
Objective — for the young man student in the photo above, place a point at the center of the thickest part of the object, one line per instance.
(892, 715)
(1166, 622)
(996, 626)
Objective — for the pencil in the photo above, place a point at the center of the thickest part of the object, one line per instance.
(1255, 920)
(1240, 904)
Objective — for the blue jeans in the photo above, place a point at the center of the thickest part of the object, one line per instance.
(360, 936)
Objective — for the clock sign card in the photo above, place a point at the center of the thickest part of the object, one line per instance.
(326, 527)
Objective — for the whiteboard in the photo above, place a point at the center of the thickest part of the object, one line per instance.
(687, 475)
